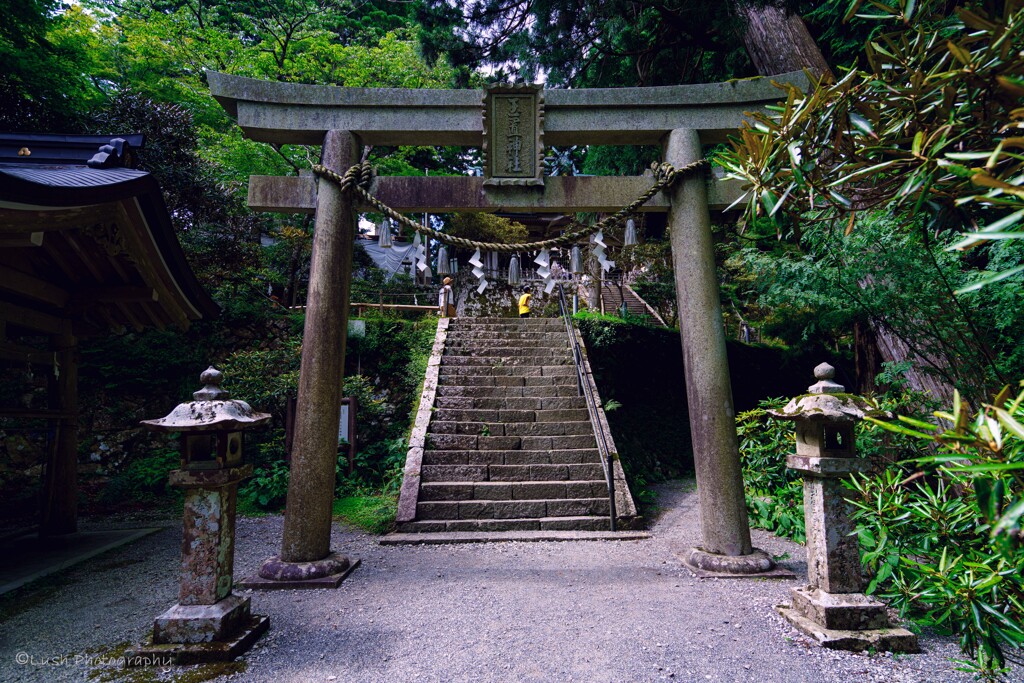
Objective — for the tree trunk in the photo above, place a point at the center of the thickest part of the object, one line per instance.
(778, 41)
(892, 349)
(866, 358)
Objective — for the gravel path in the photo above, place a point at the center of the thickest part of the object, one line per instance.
(576, 611)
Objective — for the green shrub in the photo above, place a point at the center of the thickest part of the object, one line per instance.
(392, 358)
(941, 533)
(774, 493)
(265, 378)
(143, 479)
(268, 486)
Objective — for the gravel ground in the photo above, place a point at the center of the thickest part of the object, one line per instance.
(571, 611)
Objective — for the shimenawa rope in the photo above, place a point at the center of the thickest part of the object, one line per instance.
(358, 178)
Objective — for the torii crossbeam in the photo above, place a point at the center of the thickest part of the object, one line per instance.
(680, 118)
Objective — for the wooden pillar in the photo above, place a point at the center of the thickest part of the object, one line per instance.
(307, 522)
(724, 524)
(60, 488)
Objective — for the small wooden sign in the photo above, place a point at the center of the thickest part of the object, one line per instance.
(513, 134)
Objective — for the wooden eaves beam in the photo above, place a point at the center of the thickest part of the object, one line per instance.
(28, 285)
(22, 316)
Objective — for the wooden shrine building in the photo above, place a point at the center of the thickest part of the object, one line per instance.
(86, 249)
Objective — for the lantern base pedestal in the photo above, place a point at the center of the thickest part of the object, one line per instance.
(885, 639)
(199, 634)
(326, 573)
(842, 611)
(757, 565)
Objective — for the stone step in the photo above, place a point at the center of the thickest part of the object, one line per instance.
(510, 402)
(503, 350)
(568, 456)
(552, 337)
(529, 362)
(497, 369)
(551, 524)
(470, 442)
(437, 537)
(552, 329)
(511, 509)
(510, 415)
(511, 428)
(489, 380)
(521, 322)
(518, 490)
(565, 391)
(490, 354)
(464, 473)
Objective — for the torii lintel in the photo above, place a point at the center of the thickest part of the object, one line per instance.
(290, 113)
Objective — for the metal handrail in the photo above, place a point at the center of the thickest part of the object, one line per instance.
(583, 386)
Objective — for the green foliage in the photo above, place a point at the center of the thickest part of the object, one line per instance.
(265, 378)
(219, 235)
(930, 556)
(268, 487)
(774, 493)
(985, 450)
(646, 418)
(54, 62)
(393, 357)
(654, 278)
(487, 227)
(144, 479)
(589, 44)
(893, 273)
(939, 530)
(372, 513)
(925, 129)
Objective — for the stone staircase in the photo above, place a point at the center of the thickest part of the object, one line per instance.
(508, 445)
(611, 298)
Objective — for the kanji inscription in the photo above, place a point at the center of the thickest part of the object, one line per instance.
(513, 135)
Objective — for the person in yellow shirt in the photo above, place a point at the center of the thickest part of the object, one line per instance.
(524, 302)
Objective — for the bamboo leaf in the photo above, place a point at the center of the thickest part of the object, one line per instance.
(960, 54)
(990, 280)
(1012, 84)
(862, 124)
(985, 180)
(988, 467)
(1010, 423)
(995, 227)
(899, 429)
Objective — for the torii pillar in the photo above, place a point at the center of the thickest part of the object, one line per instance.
(725, 530)
(306, 559)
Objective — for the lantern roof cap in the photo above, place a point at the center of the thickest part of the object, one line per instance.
(828, 401)
(212, 410)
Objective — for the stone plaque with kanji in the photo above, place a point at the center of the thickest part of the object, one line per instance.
(513, 135)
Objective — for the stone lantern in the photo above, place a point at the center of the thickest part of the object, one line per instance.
(833, 608)
(209, 623)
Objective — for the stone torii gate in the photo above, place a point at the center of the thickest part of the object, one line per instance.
(680, 118)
